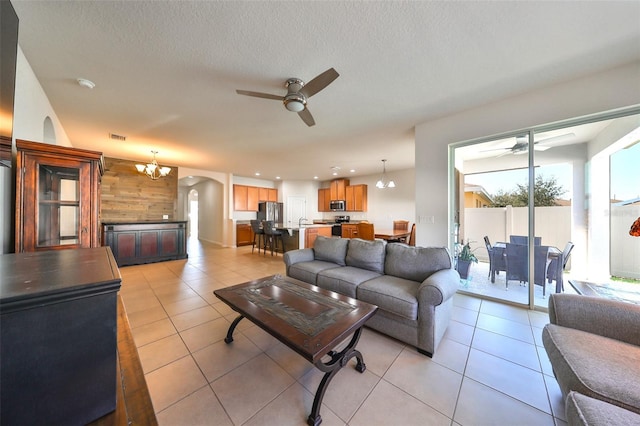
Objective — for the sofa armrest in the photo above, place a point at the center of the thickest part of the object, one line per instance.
(296, 256)
(597, 315)
(438, 287)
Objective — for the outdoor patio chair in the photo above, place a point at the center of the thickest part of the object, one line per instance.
(517, 263)
(524, 240)
(540, 259)
(551, 270)
(496, 259)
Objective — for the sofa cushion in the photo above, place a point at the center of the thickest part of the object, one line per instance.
(308, 271)
(344, 280)
(583, 410)
(415, 263)
(593, 365)
(391, 294)
(331, 249)
(366, 254)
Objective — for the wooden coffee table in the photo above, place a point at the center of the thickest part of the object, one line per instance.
(310, 320)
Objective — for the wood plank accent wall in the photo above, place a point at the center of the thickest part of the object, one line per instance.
(127, 195)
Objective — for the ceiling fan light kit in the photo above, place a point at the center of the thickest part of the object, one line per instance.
(297, 94)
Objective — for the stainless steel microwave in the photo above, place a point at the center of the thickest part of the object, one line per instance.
(337, 205)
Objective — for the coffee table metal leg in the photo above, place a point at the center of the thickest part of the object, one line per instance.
(232, 327)
(330, 368)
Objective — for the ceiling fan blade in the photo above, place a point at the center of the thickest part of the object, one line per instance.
(319, 83)
(557, 139)
(259, 95)
(307, 117)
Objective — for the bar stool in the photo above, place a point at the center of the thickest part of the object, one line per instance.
(271, 235)
(258, 233)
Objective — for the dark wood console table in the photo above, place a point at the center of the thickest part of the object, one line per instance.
(134, 243)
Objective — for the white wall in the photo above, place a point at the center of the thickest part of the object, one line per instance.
(210, 211)
(32, 107)
(612, 89)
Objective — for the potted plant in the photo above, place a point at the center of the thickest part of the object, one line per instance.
(464, 258)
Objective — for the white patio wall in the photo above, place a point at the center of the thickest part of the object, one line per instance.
(553, 224)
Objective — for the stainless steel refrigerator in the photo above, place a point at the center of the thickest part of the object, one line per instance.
(269, 210)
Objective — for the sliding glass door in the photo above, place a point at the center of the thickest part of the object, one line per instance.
(571, 229)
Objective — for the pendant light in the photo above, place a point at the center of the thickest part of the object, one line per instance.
(384, 182)
(152, 169)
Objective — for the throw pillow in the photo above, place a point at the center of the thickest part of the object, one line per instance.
(331, 249)
(366, 254)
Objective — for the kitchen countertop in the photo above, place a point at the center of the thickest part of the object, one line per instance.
(303, 226)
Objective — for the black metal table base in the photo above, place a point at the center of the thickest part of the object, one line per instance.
(330, 368)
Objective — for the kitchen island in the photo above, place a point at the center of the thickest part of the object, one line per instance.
(302, 236)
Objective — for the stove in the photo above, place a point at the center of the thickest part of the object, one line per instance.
(336, 229)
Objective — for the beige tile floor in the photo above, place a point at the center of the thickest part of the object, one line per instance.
(490, 368)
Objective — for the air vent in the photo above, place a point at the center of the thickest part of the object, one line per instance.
(117, 137)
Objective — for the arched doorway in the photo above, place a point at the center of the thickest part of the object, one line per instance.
(192, 211)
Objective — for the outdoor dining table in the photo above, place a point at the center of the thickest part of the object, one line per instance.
(499, 250)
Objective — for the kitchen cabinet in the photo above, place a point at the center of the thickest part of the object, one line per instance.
(349, 230)
(324, 197)
(246, 198)
(253, 197)
(57, 197)
(240, 197)
(356, 198)
(312, 234)
(244, 234)
(133, 243)
(338, 189)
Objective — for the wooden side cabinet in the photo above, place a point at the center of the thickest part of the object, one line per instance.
(146, 242)
(244, 234)
(57, 197)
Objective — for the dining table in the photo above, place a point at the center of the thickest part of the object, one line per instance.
(392, 234)
(500, 250)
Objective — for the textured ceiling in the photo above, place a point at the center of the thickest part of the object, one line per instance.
(166, 73)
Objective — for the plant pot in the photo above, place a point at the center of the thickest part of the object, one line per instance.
(462, 267)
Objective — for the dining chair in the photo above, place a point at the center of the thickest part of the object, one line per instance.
(365, 231)
(258, 234)
(412, 236)
(399, 225)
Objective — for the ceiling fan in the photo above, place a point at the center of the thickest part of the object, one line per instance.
(298, 92)
(522, 144)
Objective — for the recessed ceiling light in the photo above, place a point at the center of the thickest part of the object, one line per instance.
(257, 173)
(278, 177)
(352, 170)
(315, 177)
(86, 83)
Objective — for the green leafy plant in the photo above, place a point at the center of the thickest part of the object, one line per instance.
(466, 253)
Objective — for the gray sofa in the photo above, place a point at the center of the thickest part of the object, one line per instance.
(412, 286)
(593, 345)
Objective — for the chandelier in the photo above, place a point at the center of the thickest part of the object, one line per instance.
(152, 169)
(384, 182)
